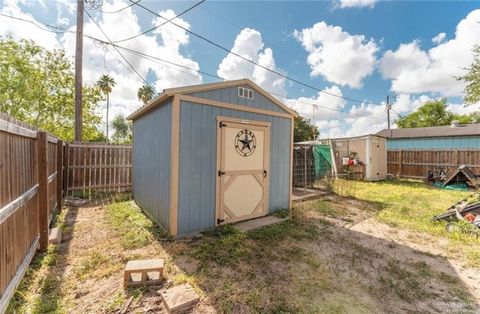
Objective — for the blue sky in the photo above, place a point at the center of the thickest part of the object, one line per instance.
(361, 49)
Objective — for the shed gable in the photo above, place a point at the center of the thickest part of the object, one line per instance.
(231, 95)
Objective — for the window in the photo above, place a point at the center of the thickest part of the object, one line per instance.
(245, 93)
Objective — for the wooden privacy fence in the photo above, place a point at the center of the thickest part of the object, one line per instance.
(30, 192)
(416, 163)
(97, 167)
(36, 170)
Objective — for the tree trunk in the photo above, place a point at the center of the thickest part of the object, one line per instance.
(108, 100)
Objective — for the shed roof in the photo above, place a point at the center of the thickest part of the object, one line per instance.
(434, 131)
(169, 92)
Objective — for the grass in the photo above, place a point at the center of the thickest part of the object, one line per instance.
(411, 205)
(40, 289)
(134, 228)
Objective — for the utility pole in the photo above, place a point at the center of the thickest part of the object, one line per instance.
(78, 73)
(389, 107)
(313, 120)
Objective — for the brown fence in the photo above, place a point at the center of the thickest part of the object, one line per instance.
(36, 169)
(29, 194)
(97, 167)
(416, 163)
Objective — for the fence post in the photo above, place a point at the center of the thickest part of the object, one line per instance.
(66, 157)
(400, 161)
(59, 175)
(457, 158)
(42, 158)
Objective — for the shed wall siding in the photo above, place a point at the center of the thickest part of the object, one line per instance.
(198, 133)
(435, 142)
(230, 95)
(151, 163)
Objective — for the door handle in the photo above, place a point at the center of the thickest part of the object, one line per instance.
(264, 173)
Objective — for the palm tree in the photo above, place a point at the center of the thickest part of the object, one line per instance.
(106, 83)
(145, 93)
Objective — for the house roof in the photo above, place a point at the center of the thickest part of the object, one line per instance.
(434, 131)
(169, 92)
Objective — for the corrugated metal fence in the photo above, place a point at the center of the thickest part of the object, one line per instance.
(416, 163)
(36, 169)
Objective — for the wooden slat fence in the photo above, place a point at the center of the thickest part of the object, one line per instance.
(29, 185)
(416, 163)
(97, 167)
(36, 170)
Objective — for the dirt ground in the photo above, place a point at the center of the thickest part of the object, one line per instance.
(332, 256)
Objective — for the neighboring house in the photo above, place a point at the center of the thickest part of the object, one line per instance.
(212, 154)
(455, 136)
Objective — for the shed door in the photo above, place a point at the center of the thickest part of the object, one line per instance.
(374, 159)
(243, 171)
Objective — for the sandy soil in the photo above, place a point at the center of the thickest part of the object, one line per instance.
(353, 264)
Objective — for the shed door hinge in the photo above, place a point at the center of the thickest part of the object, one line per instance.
(220, 173)
(221, 124)
(219, 221)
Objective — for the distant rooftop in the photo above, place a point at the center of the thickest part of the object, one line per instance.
(434, 131)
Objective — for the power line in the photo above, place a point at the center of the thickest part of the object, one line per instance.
(248, 60)
(160, 25)
(119, 10)
(116, 49)
(34, 23)
(163, 61)
(240, 27)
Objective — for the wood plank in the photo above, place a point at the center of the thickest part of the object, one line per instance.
(43, 205)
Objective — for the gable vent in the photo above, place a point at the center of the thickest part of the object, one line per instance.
(246, 93)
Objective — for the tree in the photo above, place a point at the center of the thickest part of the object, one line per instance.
(37, 87)
(105, 84)
(472, 78)
(432, 113)
(145, 93)
(123, 129)
(303, 130)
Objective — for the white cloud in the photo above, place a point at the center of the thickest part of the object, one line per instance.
(440, 38)
(336, 55)
(166, 43)
(413, 70)
(327, 105)
(249, 44)
(357, 3)
(22, 30)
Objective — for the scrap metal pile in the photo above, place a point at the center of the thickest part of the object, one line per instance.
(467, 209)
(462, 179)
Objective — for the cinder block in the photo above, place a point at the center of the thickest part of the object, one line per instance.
(55, 235)
(180, 299)
(143, 272)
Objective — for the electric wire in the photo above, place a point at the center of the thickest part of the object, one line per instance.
(119, 10)
(250, 61)
(116, 49)
(164, 62)
(160, 25)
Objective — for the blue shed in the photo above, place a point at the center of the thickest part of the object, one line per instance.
(455, 136)
(212, 154)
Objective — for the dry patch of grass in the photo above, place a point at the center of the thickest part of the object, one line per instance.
(307, 264)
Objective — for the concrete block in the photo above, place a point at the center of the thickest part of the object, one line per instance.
(55, 235)
(180, 299)
(143, 272)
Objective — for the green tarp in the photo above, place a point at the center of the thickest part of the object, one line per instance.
(323, 160)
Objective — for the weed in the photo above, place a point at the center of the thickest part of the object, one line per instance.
(134, 228)
(224, 245)
(401, 282)
(90, 263)
(116, 302)
(473, 258)
(280, 231)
